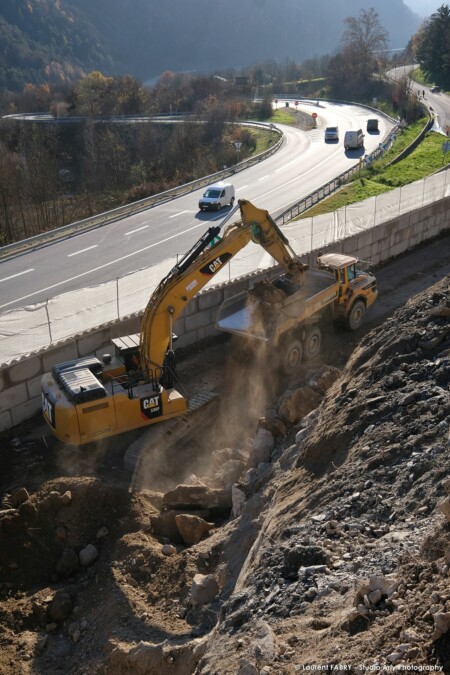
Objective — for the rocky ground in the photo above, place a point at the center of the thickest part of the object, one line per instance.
(306, 528)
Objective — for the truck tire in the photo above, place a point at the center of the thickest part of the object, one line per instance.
(291, 356)
(356, 315)
(312, 343)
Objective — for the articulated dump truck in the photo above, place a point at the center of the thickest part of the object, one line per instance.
(287, 313)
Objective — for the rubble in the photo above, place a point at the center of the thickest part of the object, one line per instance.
(320, 537)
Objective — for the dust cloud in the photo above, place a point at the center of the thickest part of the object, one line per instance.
(249, 384)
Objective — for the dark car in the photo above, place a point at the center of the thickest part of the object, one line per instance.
(435, 89)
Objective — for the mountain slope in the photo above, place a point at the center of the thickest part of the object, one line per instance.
(58, 39)
(41, 41)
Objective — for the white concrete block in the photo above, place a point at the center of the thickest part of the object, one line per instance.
(209, 300)
(25, 411)
(24, 370)
(88, 344)
(190, 308)
(198, 321)
(5, 421)
(34, 386)
(126, 327)
(208, 331)
(13, 396)
(55, 355)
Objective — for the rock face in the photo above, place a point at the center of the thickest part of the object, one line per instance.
(360, 523)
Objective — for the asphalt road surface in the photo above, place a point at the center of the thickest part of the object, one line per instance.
(304, 163)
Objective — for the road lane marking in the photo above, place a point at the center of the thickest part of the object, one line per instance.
(178, 214)
(144, 227)
(100, 267)
(19, 274)
(83, 250)
(241, 188)
(263, 178)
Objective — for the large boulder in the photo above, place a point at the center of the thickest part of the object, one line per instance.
(164, 525)
(204, 589)
(229, 473)
(61, 606)
(197, 497)
(298, 403)
(192, 528)
(88, 555)
(262, 447)
(67, 563)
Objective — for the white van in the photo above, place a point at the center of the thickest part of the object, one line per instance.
(353, 139)
(216, 196)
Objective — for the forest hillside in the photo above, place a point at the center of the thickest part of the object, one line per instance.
(56, 40)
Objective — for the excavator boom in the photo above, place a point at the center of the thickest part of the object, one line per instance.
(204, 260)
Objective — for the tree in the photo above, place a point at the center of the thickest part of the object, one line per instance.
(91, 92)
(432, 47)
(364, 40)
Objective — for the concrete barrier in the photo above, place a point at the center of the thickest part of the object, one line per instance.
(20, 382)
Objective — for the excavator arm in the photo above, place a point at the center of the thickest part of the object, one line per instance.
(204, 260)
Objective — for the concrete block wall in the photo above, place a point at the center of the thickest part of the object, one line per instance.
(20, 382)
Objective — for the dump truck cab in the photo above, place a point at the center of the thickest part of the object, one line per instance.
(357, 287)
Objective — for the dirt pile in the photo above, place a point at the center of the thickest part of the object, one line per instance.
(320, 540)
(351, 565)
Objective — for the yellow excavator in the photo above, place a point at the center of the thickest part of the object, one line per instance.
(89, 399)
(86, 399)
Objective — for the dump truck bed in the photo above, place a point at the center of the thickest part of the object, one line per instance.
(260, 312)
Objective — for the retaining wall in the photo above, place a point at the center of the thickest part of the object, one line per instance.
(20, 397)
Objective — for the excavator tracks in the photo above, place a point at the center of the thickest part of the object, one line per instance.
(162, 436)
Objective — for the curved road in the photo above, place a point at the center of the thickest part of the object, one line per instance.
(304, 163)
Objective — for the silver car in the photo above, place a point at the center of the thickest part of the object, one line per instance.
(331, 134)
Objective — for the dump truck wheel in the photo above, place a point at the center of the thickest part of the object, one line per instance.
(356, 315)
(291, 357)
(312, 343)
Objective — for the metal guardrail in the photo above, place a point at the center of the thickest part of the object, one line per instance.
(333, 185)
(136, 207)
(291, 212)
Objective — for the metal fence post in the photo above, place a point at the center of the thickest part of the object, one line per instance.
(48, 322)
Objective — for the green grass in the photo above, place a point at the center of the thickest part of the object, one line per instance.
(284, 116)
(379, 178)
(420, 78)
(264, 140)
